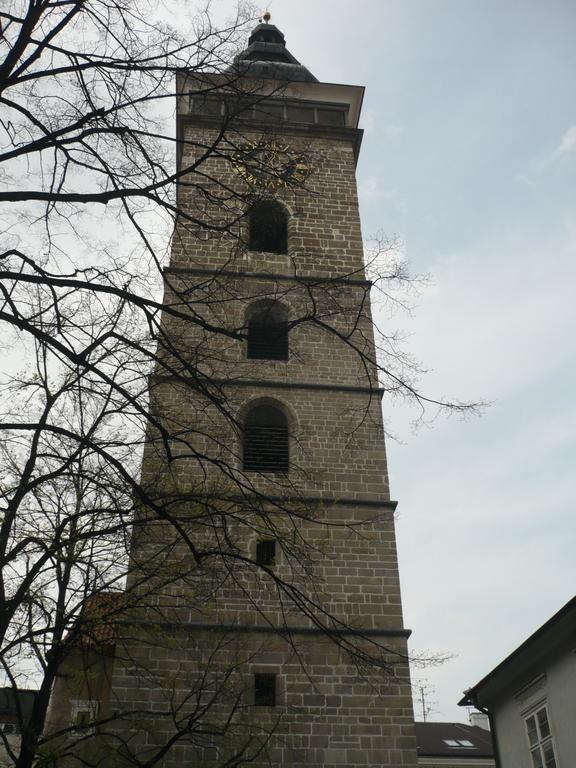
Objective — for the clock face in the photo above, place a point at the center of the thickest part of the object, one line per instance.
(271, 165)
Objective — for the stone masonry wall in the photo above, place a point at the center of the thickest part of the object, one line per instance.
(204, 623)
(330, 712)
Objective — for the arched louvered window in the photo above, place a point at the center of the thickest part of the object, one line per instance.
(266, 442)
(268, 332)
(268, 227)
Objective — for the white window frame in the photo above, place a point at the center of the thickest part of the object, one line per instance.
(84, 705)
(10, 729)
(542, 742)
(459, 744)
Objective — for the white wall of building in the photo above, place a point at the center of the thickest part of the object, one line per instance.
(556, 688)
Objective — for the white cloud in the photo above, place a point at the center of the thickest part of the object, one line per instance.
(391, 131)
(370, 189)
(524, 178)
(570, 225)
(368, 120)
(543, 162)
(568, 141)
(496, 317)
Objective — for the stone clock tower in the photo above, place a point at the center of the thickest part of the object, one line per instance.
(268, 625)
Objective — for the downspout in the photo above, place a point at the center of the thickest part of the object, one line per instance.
(492, 722)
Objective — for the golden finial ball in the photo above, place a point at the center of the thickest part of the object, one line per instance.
(266, 16)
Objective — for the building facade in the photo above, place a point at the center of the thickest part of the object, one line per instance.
(264, 618)
(531, 697)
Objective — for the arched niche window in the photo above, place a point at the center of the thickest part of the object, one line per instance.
(268, 331)
(268, 225)
(266, 442)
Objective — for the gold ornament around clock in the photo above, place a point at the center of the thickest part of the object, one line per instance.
(271, 165)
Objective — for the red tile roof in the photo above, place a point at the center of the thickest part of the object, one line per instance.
(96, 624)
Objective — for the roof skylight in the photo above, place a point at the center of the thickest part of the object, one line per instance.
(459, 744)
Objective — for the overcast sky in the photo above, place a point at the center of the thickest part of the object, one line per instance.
(469, 156)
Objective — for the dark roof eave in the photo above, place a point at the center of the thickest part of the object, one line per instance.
(462, 754)
(471, 696)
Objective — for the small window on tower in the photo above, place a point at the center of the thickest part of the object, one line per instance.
(264, 689)
(332, 116)
(268, 227)
(301, 114)
(207, 106)
(266, 552)
(268, 112)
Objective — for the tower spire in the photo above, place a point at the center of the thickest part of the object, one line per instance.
(267, 57)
